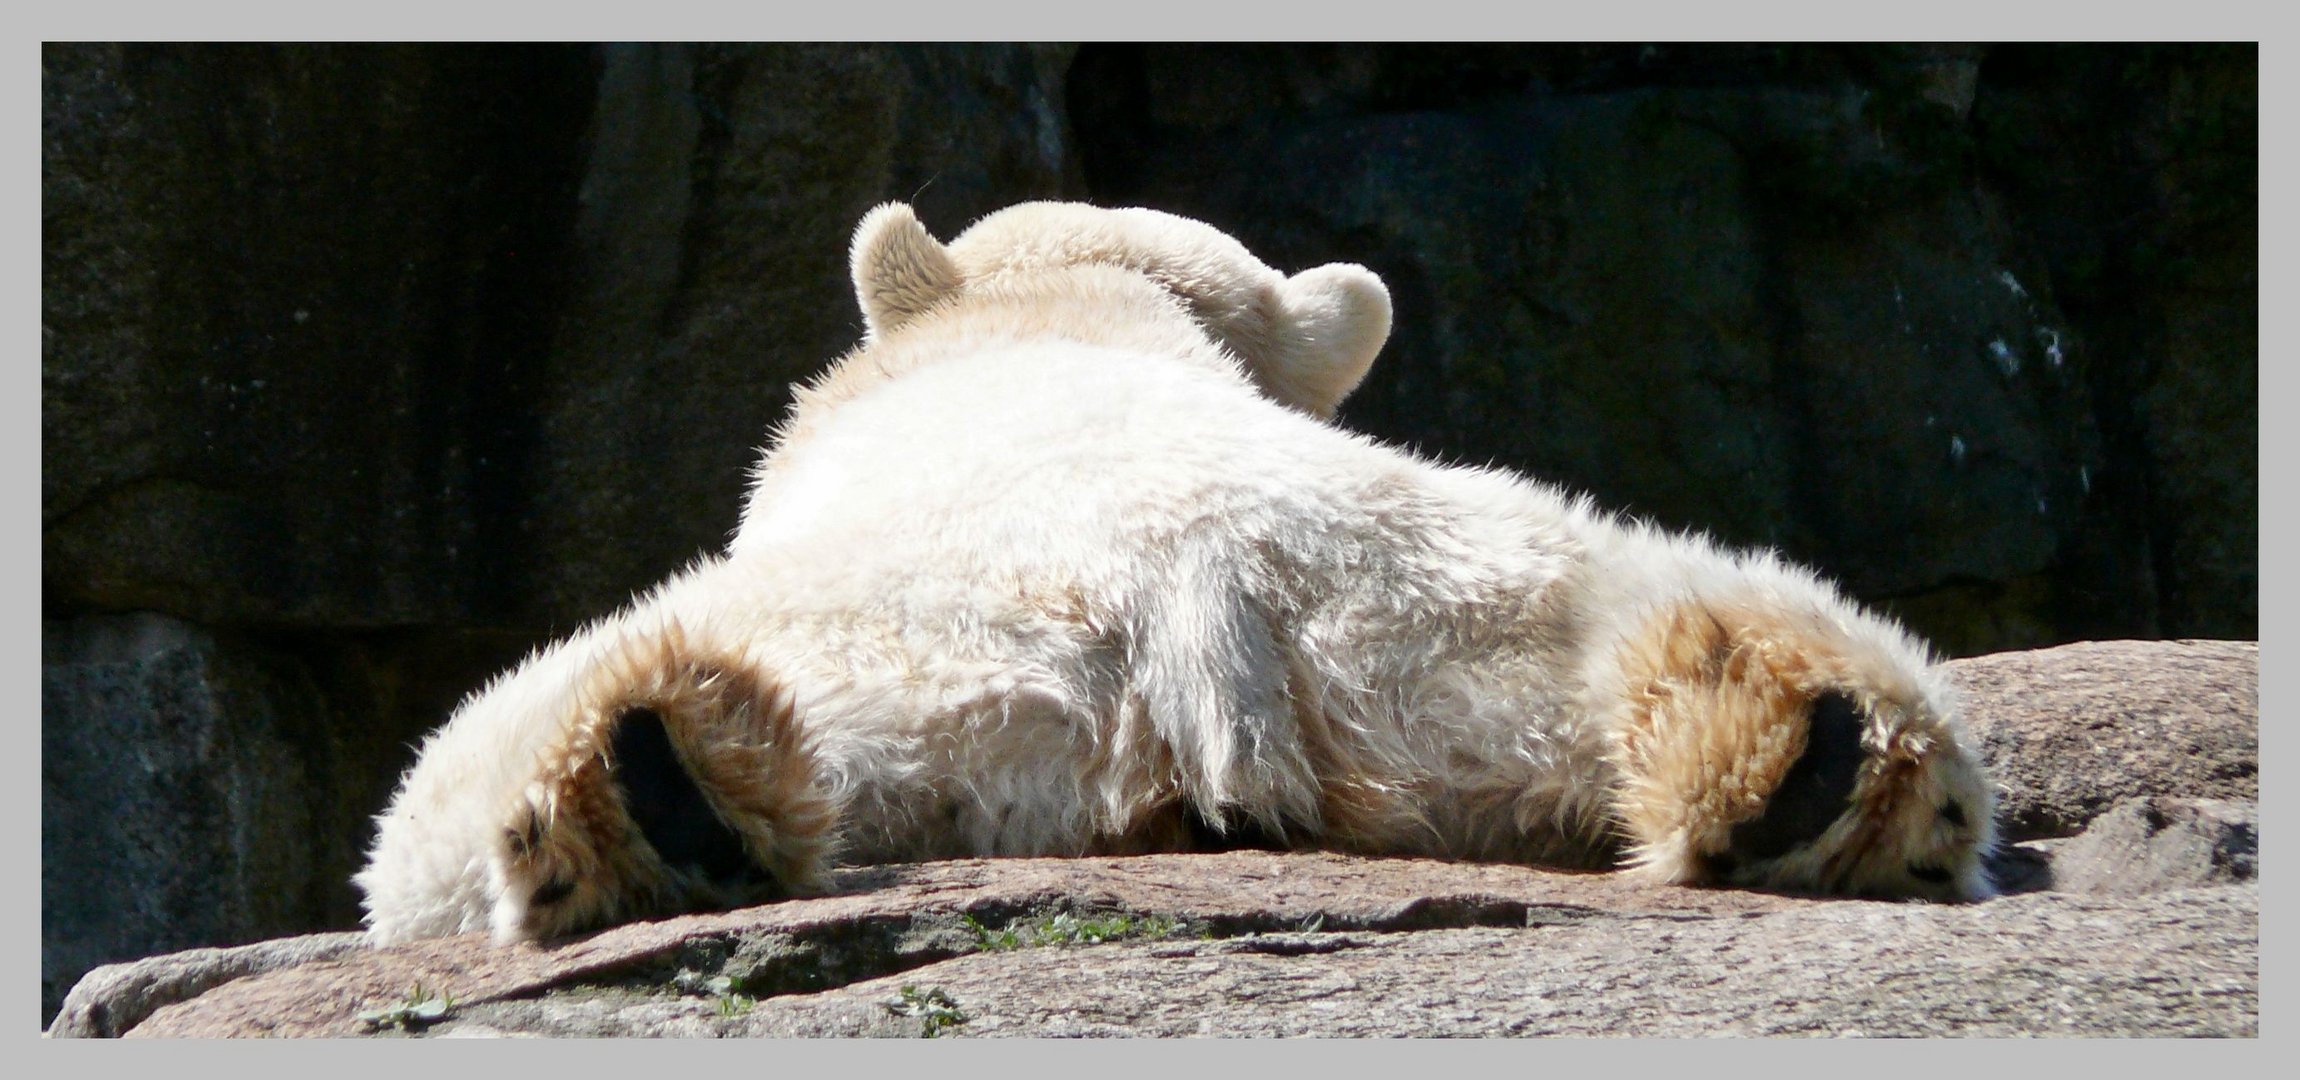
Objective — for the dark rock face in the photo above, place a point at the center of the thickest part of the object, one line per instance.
(2131, 908)
(206, 787)
(365, 336)
(1897, 311)
(366, 368)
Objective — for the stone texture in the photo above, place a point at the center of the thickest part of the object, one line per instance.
(2070, 732)
(287, 297)
(211, 787)
(357, 336)
(173, 807)
(1266, 944)
(2152, 249)
(2151, 844)
(2182, 964)
(117, 997)
(902, 916)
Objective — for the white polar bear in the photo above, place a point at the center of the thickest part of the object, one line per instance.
(1063, 560)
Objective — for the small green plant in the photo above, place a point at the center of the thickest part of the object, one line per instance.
(935, 1009)
(418, 1008)
(1066, 928)
(989, 940)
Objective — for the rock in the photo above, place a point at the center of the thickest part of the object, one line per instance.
(117, 997)
(2181, 964)
(1305, 944)
(204, 787)
(895, 917)
(2070, 732)
(2151, 844)
(2153, 252)
(354, 336)
(286, 295)
(173, 804)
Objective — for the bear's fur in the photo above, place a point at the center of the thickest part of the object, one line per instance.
(1063, 559)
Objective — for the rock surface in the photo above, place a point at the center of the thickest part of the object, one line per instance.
(117, 997)
(2071, 731)
(2144, 922)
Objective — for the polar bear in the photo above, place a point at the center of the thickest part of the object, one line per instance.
(1065, 558)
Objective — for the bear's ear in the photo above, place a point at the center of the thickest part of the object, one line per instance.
(1332, 321)
(899, 269)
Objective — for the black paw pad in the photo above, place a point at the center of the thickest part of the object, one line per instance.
(1816, 789)
(670, 810)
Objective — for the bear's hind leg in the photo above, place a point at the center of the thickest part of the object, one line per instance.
(1757, 744)
(683, 784)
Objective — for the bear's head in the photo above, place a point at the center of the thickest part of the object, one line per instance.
(1306, 340)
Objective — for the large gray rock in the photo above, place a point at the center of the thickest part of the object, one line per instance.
(176, 799)
(202, 787)
(2148, 845)
(2070, 732)
(2179, 964)
(2133, 173)
(117, 997)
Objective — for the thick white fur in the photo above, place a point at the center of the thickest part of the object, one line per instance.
(1063, 552)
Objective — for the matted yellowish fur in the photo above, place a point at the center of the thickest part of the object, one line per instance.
(1066, 558)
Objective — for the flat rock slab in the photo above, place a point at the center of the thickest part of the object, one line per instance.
(1310, 944)
(898, 917)
(2181, 963)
